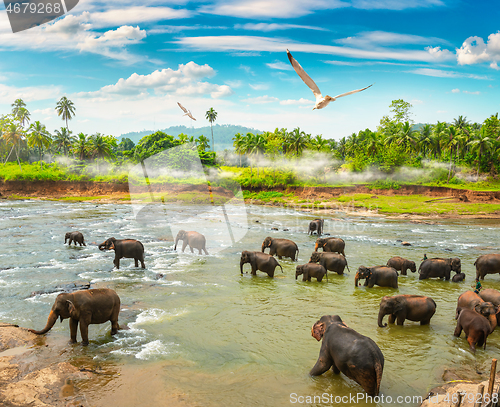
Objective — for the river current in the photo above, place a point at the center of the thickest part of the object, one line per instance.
(223, 338)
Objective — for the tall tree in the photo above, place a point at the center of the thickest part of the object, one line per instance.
(401, 111)
(81, 146)
(66, 109)
(13, 134)
(297, 140)
(211, 116)
(481, 144)
(39, 137)
(63, 139)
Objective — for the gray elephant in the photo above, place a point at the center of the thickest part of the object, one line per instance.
(195, 240)
(475, 326)
(347, 351)
(402, 264)
(316, 225)
(439, 267)
(458, 277)
(281, 247)
(490, 295)
(473, 301)
(259, 261)
(487, 264)
(311, 270)
(128, 248)
(330, 244)
(95, 306)
(76, 237)
(382, 276)
(418, 308)
(330, 261)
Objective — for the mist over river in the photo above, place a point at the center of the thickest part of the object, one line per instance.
(226, 339)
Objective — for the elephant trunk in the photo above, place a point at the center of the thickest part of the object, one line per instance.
(263, 247)
(316, 247)
(241, 266)
(50, 323)
(381, 316)
(356, 278)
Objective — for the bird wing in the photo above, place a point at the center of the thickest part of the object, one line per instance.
(351, 92)
(190, 115)
(182, 107)
(304, 76)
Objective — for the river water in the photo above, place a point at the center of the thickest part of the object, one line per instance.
(222, 338)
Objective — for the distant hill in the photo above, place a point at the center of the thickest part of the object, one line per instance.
(223, 133)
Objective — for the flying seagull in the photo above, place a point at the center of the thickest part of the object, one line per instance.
(321, 101)
(186, 112)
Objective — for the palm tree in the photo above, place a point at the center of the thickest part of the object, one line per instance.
(203, 143)
(453, 140)
(63, 139)
(13, 134)
(319, 143)
(482, 144)
(239, 143)
(211, 116)
(17, 105)
(66, 109)
(39, 137)
(297, 140)
(438, 131)
(407, 136)
(424, 142)
(81, 146)
(100, 147)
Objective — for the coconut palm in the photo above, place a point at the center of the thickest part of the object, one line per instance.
(13, 134)
(438, 133)
(239, 143)
(39, 137)
(17, 105)
(424, 141)
(66, 109)
(63, 139)
(407, 136)
(100, 147)
(481, 144)
(211, 116)
(203, 142)
(81, 146)
(319, 143)
(297, 140)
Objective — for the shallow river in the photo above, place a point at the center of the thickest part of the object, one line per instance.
(226, 339)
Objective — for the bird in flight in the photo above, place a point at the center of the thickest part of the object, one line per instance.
(186, 112)
(321, 101)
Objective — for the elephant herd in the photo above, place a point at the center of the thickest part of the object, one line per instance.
(342, 349)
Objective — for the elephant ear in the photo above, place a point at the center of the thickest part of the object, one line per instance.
(478, 308)
(71, 307)
(398, 305)
(318, 330)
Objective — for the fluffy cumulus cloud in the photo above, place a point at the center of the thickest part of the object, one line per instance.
(183, 81)
(28, 94)
(474, 51)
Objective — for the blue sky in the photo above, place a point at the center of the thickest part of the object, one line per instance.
(126, 64)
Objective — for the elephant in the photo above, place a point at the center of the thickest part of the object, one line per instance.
(281, 247)
(438, 267)
(311, 270)
(347, 351)
(316, 225)
(490, 295)
(402, 264)
(330, 261)
(487, 264)
(475, 326)
(458, 277)
(95, 306)
(128, 248)
(75, 237)
(400, 307)
(331, 244)
(473, 301)
(195, 240)
(383, 276)
(259, 261)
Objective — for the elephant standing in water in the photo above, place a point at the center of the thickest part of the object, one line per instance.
(402, 264)
(76, 237)
(316, 225)
(128, 248)
(475, 326)
(438, 267)
(382, 276)
(417, 308)
(281, 247)
(487, 264)
(473, 301)
(347, 351)
(491, 295)
(330, 261)
(330, 244)
(195, 240)
(259, 261)
(95, 306)
(311, 270)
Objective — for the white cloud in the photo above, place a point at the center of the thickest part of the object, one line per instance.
(301, 101)
(135, 15)
(395, 4)
(370, 38)
(266, 27)
(440, 54)
(280, 66)
(472, 93)
(439, 73)
(29, 94)
(474, 51)
(456, 90)
(259, 86)
(261, 100)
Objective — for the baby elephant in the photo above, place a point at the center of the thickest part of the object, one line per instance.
(128, 248)
(76, 237)
(402, 264)
(475, 326)
(311, 270)
(259, 261)
(195, 240)
(405, 306)
(458, 277)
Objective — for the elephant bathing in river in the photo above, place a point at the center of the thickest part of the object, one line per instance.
(491, 295)
(475, 326)
(402, 264)
(311, 270)
(417, 308)
(330, 261)
(76, 237)
(259, 261)
(438, 267)
(473, 301)
(330, 244)
(487, 264)
(95, 306)
(316, 225)
(380, 275)
(281, 247)
(347, 351)
(195, 240)
(128, 248)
